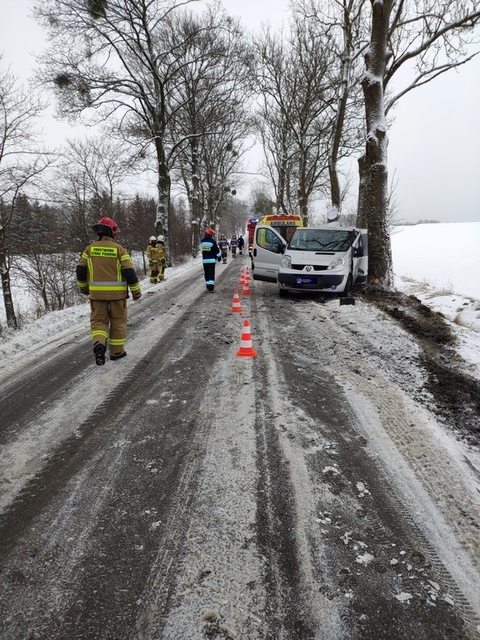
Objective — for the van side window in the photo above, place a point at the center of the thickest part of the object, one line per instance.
(267, 239)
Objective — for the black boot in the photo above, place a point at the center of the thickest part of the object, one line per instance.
(117, 356)
(99, 352)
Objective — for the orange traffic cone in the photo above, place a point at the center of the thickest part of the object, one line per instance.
(236, 306)
(247, 275)
(246, 289)
(242, 277)
(246, 348)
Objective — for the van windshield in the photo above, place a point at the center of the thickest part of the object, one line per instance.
(321, 240)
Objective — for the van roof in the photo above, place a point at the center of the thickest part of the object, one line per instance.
(330, 226)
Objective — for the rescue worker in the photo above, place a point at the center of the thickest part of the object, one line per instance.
(241, 244)
(223, 245)
(153, 255)
(162, 263)
(233, 245)
(210, 256)
(105, 272)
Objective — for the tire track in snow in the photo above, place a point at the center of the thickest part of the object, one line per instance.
(431, 486)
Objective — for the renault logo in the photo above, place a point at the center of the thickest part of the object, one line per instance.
(308, 268)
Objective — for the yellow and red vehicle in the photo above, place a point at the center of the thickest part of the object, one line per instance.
(251, 224)
(283, 223)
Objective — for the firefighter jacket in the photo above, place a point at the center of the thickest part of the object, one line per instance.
(223, 244)
(156, 254)
(105, 271)
(210, 251)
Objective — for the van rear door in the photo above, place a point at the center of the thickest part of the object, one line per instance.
(360, 258)
(268, 248)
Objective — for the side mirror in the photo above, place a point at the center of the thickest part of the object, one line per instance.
(358, 252)
(281, 248)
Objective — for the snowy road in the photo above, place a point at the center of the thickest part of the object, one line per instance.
(186, 493)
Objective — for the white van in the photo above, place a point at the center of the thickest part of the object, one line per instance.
(328, 258)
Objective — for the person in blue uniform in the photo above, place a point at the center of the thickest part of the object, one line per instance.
(210, 256)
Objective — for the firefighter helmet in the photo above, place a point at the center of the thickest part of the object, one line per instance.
(161, 238)
(209, 231)
(106, 227)
(152, 239)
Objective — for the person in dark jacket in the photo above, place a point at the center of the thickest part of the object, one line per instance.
(105, 272)
(241, 244)
(233, 245)
(210, 256)
(223, 246)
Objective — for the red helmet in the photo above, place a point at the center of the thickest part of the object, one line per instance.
(106, 227)
(209, 231)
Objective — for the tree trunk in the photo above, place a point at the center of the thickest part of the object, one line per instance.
(346, 62)
(162, 223)
(302, 192)
(195, 204)
(373, 192)
(5, 273)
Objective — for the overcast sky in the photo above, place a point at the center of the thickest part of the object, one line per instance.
(434, 143)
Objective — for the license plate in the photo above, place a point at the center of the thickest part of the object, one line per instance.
(306, 281)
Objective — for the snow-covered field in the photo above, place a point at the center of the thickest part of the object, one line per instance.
(440, 265)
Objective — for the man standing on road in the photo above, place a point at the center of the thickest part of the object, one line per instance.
(105, 272)
(223, 245)
(162, 263)
(153, 256)
(210, 256)
(233, 245)
(241, 243)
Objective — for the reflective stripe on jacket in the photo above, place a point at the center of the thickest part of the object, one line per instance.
(210, 250)
(105, 270)
(156, 254)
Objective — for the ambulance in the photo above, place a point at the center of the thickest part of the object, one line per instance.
(327, 258)
(285, 224)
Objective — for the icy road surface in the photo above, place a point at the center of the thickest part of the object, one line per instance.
(311, 492)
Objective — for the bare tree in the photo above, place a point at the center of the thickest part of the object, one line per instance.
(208, 105)
(49, 276)
(21, 161)
(107, 58)
(432, 36)
(88, 180)
(293, 82)
(343, 26)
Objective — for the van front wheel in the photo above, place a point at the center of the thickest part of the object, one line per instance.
(282, 292)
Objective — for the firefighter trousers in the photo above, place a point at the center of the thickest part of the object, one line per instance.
(108, 322)
(209, 272)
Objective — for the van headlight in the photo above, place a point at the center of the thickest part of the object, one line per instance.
(338, 262)
(286, 262)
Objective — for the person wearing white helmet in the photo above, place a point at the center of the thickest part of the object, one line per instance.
(153, 256)
(162, 263)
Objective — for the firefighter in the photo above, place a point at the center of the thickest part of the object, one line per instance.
(153, 255)
(210, 256)
(105, 272)
(233, 245)
(162, 263)
(241, 244)
(223, 245)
